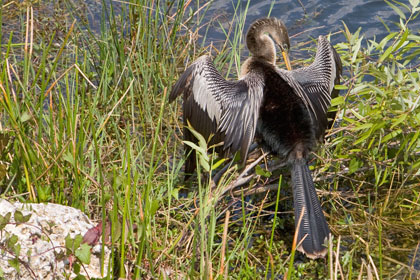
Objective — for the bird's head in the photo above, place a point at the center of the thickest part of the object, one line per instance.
(262, 45)
(281, 39)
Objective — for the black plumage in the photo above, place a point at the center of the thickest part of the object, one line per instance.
(286, 110)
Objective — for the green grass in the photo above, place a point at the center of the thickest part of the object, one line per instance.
(84, 121)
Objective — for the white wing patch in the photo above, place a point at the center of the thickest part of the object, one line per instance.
(227, 109)
(207, 102)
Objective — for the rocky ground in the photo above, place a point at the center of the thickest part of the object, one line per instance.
(36, 248)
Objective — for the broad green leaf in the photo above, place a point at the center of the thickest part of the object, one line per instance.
(76, 270)
(83, 253)
(337, 101)
(379, 125)
(362, 126)
(357, 115)
(402, 40)
(356, 49)
(414, 139)
(14, 263)
(362, 138)
(346, 31)
(11, 241)
(43, 193)
(77, 241)
(385, 40)
(20, 218)
(349, 120)
(262, 172)
(384, 177)
(358, 89)
(396, 9)
(405, 6)
(379, 90)
(386, 54)
(341, 87)
(73, 243)
(402, 24)
(201, 141)
(372, 141)
(391, 135)
(218, 163)
(80, 276)
(68, 242)
(175, 193)
(204, 163)
(117, 230)
(354, 165)
(69, 158)
(413, 37)
(399, 120)
(154, 207)
(25, 116)
(202, 155)
(4, 220)
(4, 140)
(195, 147)
(357, 33)
(16, 249)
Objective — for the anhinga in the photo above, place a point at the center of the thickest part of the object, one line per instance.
(287, 110)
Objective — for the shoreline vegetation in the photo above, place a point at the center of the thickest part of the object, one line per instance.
(85, 122)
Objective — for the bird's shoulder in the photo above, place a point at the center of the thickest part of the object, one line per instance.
(256, 66)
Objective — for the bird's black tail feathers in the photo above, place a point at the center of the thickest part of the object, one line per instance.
(313, 224)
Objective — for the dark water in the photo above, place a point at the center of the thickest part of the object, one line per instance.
(321, 18)
(305, 19)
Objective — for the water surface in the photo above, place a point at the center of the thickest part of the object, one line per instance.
(322, 17)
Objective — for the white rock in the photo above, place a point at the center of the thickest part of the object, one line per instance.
(43, 234)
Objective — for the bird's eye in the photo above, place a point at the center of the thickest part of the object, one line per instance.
(285, 47)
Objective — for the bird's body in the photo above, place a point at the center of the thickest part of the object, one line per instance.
(284, 122)
(287, 110)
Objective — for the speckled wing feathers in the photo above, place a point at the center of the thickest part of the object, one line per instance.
(228, 109)
(315, 83)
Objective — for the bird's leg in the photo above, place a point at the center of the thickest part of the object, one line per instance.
(243, 178)
(260, 188)
(218, 176)
(277, 164)
(252, 147)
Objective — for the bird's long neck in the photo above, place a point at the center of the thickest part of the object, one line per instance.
(260, 44)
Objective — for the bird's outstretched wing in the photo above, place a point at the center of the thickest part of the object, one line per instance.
(227, 109)
(314, 84)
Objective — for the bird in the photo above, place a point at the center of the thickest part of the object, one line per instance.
(285, 110)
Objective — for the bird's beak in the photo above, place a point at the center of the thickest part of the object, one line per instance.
(286, 60)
